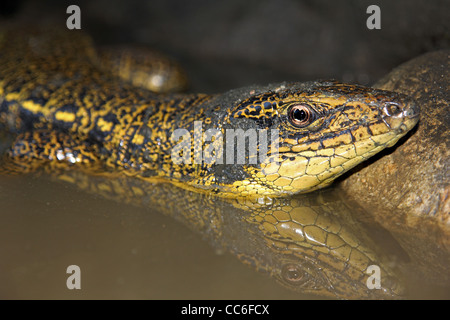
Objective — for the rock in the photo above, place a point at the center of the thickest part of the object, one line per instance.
(406, 189)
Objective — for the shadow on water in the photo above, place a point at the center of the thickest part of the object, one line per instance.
(122, 234)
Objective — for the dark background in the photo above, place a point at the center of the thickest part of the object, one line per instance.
(229, 44)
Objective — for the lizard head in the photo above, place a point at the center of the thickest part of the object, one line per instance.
(318, 131)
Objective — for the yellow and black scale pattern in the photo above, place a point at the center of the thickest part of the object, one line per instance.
(70, 112)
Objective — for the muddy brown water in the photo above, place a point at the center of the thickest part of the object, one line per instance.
(123, 251)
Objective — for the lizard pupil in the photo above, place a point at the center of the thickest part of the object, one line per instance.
(300, 115)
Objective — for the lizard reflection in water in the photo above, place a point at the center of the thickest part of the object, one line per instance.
(310, 243)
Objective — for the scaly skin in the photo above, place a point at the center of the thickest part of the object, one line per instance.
(68, 111)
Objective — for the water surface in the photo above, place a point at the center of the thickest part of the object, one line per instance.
(123, 251)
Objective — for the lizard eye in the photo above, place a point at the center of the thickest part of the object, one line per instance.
(293, 274)
(300, 115)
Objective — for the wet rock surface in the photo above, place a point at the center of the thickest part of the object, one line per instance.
(407, 190)
(414, 178)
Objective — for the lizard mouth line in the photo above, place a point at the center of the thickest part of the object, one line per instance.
(378, 140)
